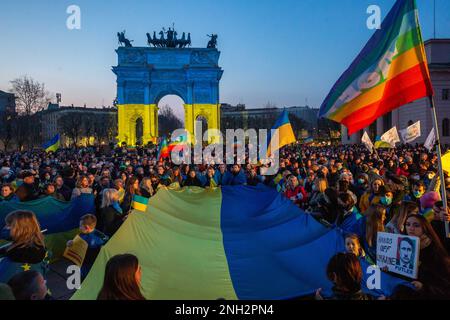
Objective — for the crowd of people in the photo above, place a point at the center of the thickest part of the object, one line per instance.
(348, 187)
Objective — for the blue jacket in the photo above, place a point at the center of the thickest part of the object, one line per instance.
(238, 179)
(205, 180)
(95, 239)
(222, 179)
(359, 228)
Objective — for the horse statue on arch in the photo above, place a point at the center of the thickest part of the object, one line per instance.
(213, 42)
(123, 40)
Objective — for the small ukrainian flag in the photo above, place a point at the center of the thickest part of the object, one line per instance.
(283, 133)
(52, 145)
(140, 203)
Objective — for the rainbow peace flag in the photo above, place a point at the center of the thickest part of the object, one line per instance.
(233, 242)
(389, 72)
(163, 150)
(284, 134)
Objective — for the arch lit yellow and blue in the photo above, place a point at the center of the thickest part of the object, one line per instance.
(145, 75)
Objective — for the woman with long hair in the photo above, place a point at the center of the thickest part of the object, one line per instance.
(131, 189)
(434, 262)
(146, 188)
(176, 175)
(318, 188)
(111, 212)
(397, 222)
(367, 229)
(27, 242)
(122, 279)
(82, 186)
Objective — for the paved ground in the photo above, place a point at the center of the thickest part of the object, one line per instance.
(56, 280)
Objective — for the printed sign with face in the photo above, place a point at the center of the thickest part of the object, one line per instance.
(400, 253)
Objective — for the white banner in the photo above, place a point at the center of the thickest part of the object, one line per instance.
(400, 253)
(366, 141)
(431, 140)
(391, 137)
(411, 133)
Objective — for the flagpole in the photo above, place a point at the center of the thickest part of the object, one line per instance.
(434, 20)
(439, 155)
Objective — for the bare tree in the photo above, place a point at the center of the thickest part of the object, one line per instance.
(168, 121)
(31, 95)
(89, 122)
(21, 131)
(71, 125)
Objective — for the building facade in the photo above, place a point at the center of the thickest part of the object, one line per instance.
(7, 102)
(438, 56)
(86, 125)
(234, 117)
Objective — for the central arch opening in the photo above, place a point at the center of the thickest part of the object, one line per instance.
(170, 114)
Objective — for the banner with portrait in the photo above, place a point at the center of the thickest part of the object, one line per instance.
(399, 253)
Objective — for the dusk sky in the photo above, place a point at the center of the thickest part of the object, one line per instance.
(283, 51)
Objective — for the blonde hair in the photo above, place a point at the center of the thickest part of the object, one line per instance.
(109, 196)
(377, 178)
(144, 186)
(374, 223)
(322, 185)
(406, 208)
(24, 229)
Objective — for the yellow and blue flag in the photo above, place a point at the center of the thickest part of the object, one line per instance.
(139, 203)
(52, 145)
(284, 134)
(245, 242)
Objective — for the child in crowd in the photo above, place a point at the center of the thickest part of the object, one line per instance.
(353, 245)
(94, 238)
(344, 270)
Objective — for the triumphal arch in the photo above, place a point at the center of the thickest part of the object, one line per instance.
(168, 66)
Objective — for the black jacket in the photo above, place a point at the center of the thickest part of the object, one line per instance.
(192, 182)
(31, 255)
(111, 220)
(27, 192)
(65, 191)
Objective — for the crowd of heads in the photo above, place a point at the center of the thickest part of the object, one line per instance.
(346, 186)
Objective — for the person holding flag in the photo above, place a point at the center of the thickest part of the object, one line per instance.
(390, 71)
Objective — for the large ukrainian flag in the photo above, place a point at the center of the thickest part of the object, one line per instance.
(52, 145)
(283, 135)
(61, 219)
(389, 72)
(234, 242)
